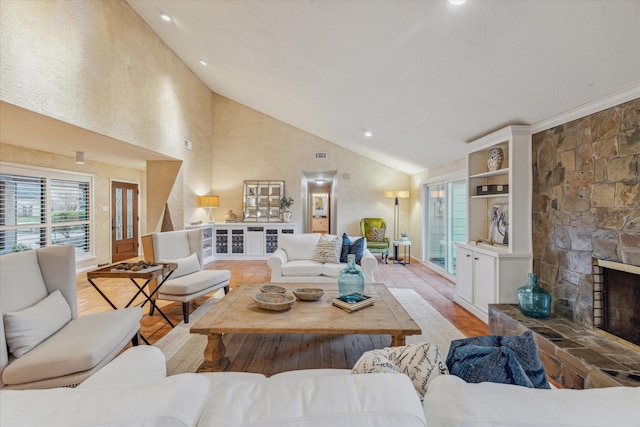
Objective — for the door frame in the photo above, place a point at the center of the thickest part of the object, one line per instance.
(125, 181)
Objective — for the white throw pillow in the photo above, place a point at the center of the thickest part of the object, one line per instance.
(420, 362)
(28, 327)
(328, 250)
(186, 265)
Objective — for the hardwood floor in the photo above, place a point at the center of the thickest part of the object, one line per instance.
(277, 352)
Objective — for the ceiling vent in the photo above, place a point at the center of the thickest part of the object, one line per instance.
(321, 154)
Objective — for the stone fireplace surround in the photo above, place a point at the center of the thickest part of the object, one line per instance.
(585, 206)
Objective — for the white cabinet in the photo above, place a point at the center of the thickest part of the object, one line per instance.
(249, 240)
(490, 272)
(206, 232)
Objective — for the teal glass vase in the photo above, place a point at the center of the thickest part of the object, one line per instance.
(351, 282)
(533, 300)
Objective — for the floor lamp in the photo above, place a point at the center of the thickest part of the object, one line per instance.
(209, 202)
(396, 215)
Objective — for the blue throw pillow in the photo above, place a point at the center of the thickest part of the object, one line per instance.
(498, 359)
(348, 247)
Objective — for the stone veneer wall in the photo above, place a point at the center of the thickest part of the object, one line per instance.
(586, 203)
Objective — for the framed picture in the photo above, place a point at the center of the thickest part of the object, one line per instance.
(499, 228)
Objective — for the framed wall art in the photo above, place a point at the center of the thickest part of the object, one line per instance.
(499, 227)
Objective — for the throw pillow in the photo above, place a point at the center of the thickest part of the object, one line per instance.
(328, 250)
(376, 234)
(186, 265)
(420, 362)
(28, 327)
(508, 360)
(348, 247)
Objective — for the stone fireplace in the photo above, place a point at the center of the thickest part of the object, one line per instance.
(585, 215)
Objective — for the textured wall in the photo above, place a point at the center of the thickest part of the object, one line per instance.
(586, 203)
(97, 65)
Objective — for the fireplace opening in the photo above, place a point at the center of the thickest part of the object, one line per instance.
(617, 301)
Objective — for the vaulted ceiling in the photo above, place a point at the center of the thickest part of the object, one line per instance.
(424, 77)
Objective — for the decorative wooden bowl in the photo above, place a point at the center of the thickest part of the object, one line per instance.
(308, 294)
(274, 302)
(272, 289)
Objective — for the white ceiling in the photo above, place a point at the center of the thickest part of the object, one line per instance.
(425, 77)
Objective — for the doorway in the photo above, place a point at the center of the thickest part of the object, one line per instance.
(124, 221)
(319, 201)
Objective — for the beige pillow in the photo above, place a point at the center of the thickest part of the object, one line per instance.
(328, 250)
(28, 327)
(186, 265)
(376, 234)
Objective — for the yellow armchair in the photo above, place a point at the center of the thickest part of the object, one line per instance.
(374, 229)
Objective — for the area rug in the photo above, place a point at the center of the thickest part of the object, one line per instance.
(185, 351)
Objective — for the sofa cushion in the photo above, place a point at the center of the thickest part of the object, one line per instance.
(171, 245)
(451, 401)
(195, 282)
(27, 328)
(186, 265)
(328, 249)
(333, 270)
(508, 360)
(306, 267)
(355, 247)
(175, 401)
(298, 246)
(316, 401)
(92, 339)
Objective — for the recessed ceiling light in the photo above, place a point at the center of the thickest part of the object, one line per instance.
(203, 62)
(319, 181)
(165, 17)
(457, 2)
(368, 133)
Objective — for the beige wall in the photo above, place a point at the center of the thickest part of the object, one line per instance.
(251, 145)
(103, 174)
(97, 65)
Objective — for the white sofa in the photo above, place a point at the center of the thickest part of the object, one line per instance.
(133, 391)
(293, 261)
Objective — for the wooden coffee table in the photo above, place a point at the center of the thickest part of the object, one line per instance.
(238, 313)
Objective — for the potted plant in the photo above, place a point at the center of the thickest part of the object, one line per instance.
(285, 204)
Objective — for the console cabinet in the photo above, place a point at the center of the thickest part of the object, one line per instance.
(249, 241)
(491, 272)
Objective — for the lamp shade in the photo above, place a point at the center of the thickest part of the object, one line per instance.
(209, 201)
(401, 194)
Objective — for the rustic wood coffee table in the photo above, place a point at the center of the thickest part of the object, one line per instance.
(238, 313)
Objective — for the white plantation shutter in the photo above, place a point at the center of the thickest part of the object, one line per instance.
(42, 207)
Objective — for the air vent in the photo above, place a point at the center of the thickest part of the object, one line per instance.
(188, 145)
(321, 155)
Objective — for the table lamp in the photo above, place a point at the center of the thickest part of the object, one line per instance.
(209, 202)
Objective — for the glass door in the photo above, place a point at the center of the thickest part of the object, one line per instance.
(446, 223)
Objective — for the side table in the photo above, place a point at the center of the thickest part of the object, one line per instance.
(406, 259)
(148, 274)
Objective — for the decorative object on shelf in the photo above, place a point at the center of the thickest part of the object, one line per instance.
(209, 202)
(285, 204)
(351, 282)
(533, 300)
(495, 157)
(404, 235)
(499, 230)
(230, 216)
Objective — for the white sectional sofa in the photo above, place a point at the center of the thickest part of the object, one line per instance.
(133, 391)
(293, 261)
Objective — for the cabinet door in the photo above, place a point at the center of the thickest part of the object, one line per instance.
(222, 241)
(484, 281)
(254, 241)
(464, 274)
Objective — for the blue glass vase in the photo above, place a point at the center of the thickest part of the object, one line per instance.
(533, 300)
(351, 282)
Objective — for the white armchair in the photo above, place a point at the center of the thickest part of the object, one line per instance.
(189, 280)
(43, 343)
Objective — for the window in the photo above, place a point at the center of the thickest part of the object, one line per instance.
(40, 207)
(446, 223)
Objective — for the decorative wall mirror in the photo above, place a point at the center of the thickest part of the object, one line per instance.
(261, 200)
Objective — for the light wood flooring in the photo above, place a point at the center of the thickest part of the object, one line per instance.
(278, 352)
